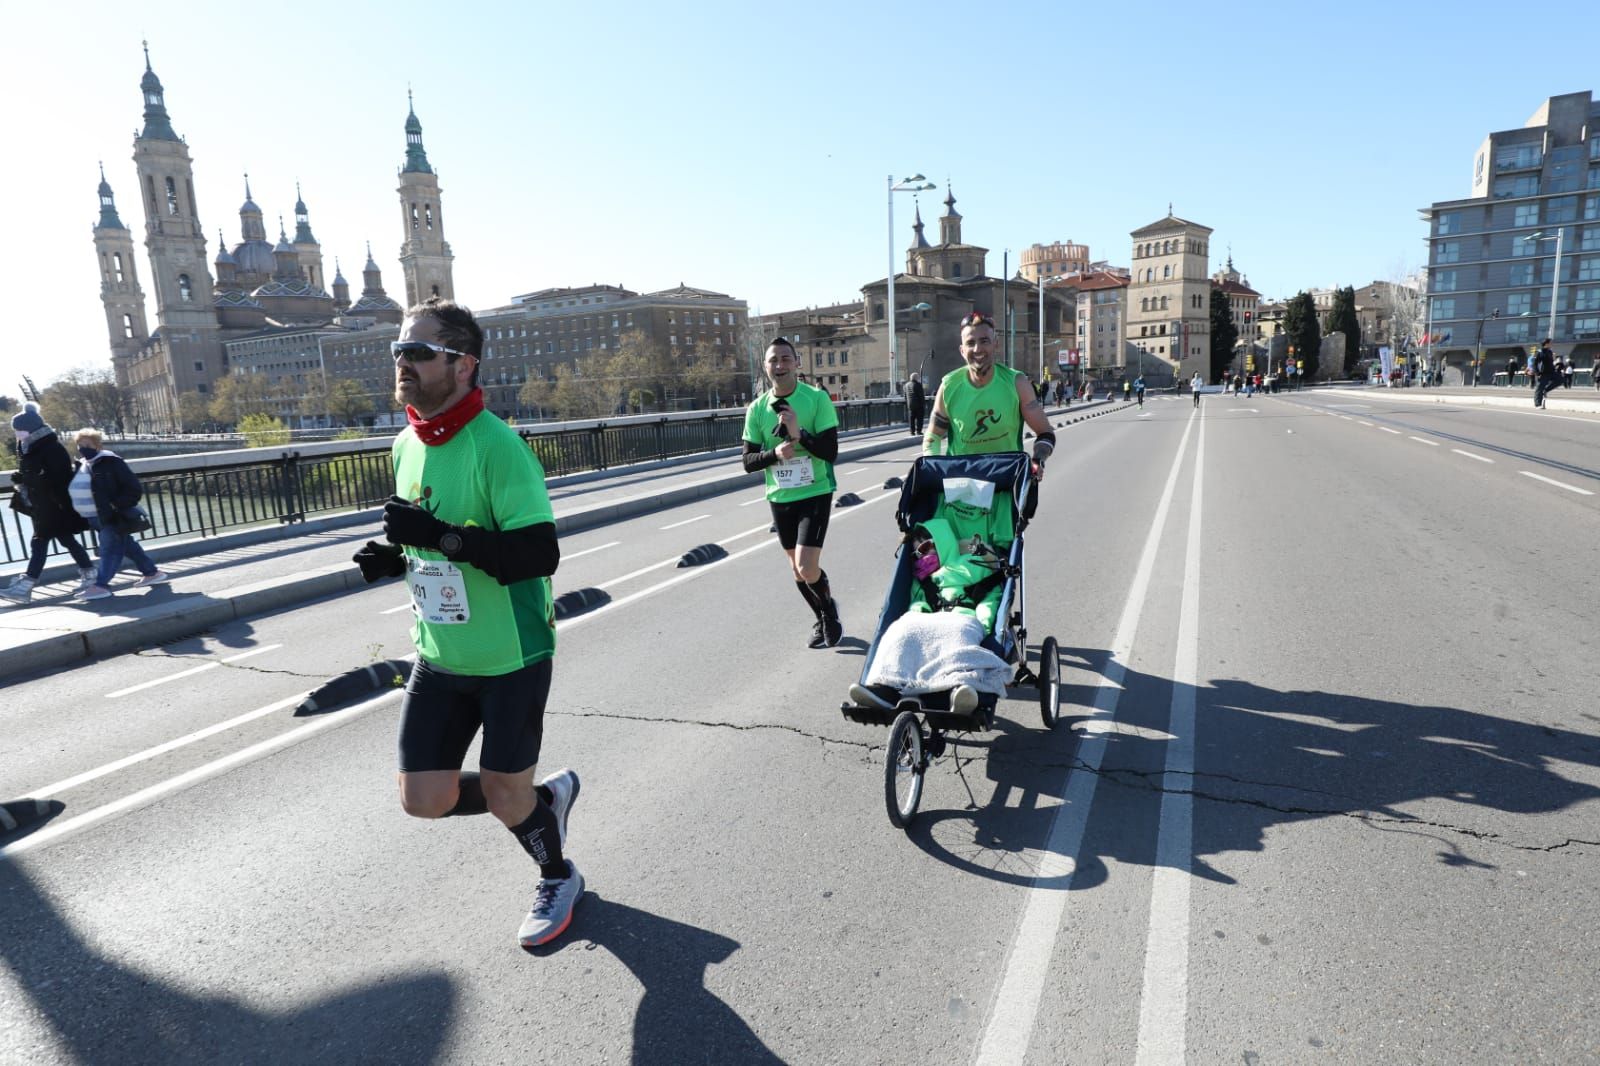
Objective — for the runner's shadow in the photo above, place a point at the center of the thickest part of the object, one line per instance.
(96, 1009)
(679, 1020)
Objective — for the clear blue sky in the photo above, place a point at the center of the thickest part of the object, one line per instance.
(743, 148)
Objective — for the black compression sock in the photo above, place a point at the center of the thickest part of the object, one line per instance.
(820, 591)
(540, 837)
(810, 598)
(470, 799)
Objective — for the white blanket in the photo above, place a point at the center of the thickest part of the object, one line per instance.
(923, 653)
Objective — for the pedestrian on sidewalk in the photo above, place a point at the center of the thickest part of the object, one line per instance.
(44, 474)
(106, 492)
(472, 530)
(1544, 373)
(1194, 386)
(916, 404)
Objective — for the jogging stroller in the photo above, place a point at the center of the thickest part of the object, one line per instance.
(990, 497)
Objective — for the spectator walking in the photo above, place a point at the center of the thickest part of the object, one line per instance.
(1544, 373)
(1194, 386)
(106, 492)
(916, 404)
(44, 474)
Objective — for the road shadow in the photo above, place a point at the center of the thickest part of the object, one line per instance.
(101, 1010)
(679, 1020)
(1264, 758)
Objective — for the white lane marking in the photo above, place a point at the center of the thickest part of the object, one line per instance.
(1347, 418)
(1164, 1004)
(686, 521)
(1364, 422)
(1252, 410)
(565, 557)
(1016, 1002)
(1350, 406)
(202, 668)
(57, 830)
(749, 532)
(397, 610)
(1557, 484)
(1469, 455)
(1146, 416)
(1429, 443)
(161, 749)
(707, 568)
(1386, 429)
(752, 503)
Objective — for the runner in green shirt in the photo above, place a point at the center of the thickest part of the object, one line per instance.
(982, 407)
(791, 432)
(472, 531)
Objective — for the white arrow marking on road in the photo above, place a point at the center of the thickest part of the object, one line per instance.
(1429, 443)
(1469, 455)
(1557, 484)
(1016, 1002)
(191, 671)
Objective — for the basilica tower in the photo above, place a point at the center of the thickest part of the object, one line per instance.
(424, 256)
(119, 285)
(179, 269)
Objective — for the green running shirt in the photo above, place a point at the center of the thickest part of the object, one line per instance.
(805, 475)
(983, 420)
(485, 476)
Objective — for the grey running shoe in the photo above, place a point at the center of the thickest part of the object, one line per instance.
(563, 785)
(963, 699)
(553, 903)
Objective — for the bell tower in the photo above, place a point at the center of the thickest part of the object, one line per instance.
(179, 268)
(424, 256)
(119, 285)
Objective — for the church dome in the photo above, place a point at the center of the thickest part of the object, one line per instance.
(255, 257)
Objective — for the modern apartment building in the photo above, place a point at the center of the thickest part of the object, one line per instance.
(1529, 235)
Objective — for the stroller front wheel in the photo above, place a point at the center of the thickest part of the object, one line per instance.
(902, 770)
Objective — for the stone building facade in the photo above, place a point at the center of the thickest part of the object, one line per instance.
(1169, 298)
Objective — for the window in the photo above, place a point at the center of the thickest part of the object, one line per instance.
(416, 220)
(1444, 281)
(1586, 299)
(1585, 329)
(1523, 185)
(1447, 222)
(1522, 247)
(1166, 271)
(199, 366)
(116, 264)
(127, 327)
(1518, 331)
(1444, 309)
(1163, 303)
(1518, 157)
(1562, 209)
(1525, 215)
(1589, 269)
(955, 270)
(172, 197)
(1144, 303)
(844, 358)
(185, 289)
(1590, 241)
(201, 388)
(1518, 302)
(1593, 181)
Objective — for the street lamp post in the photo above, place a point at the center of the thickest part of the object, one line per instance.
(915, 183)
(1555, 283)
(1478, 367)
(916, 307)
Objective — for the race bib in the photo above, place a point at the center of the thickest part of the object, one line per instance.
(438, 591)
(793, 473)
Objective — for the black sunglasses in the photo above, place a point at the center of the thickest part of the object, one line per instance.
(976, 319)
(419, 351)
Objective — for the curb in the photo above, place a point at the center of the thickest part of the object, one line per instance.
(1524, 402)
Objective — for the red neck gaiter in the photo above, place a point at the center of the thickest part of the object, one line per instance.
(446, 424)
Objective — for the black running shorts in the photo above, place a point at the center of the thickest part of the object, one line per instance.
(803, 522)
(442, 713)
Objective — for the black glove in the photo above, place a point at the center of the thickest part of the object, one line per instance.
(406, 523)
(378, 561)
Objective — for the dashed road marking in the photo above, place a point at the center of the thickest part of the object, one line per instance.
(202, 668)
(1469, 455)
(1557, 484)
(1429, 443)
(686, 521)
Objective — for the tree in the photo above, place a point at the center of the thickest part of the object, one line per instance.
(194, 412)
(1342, 319)
(342, 401)
(1224, 334)
(263, 431)
(1305, 336)
(237, 396)
(87, 396)
(1408, 298)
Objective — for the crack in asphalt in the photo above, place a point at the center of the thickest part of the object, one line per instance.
(156, 653)
(1142, 779)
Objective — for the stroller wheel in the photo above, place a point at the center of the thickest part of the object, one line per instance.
(1049, 681)
(902, 770)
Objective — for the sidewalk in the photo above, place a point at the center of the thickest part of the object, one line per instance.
(219, 579)
(1584, 400)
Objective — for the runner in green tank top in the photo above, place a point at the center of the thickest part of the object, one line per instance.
(982, 407)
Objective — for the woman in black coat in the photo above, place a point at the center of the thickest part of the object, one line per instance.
(44, 470)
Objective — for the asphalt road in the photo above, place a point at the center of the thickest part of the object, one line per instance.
(1325, 792)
